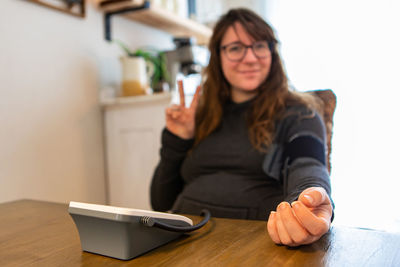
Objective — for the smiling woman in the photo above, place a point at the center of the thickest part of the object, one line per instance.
(247, 147)
(72, 7)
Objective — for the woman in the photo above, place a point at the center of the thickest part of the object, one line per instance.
(247, 147)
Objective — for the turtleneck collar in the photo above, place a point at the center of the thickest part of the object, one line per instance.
(233, 106)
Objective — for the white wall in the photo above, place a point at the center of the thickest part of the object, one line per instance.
(351, 47)
(52, 66)
(209, 11)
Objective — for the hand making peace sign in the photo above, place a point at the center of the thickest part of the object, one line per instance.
(180, 120)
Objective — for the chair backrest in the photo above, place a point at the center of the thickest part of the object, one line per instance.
(328, 99)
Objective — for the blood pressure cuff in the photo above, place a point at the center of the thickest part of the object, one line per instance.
(304, 146)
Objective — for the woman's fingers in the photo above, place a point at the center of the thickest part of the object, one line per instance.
(314, 196)
(295, 225)
(195, 99)
(180, 119)
(173, 111)
(271, 227)
(284, 235)
(316, 225)
(315, 211)
(294, 229)
(181, 93)
(303, 222)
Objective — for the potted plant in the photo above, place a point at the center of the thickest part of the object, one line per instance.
(160, 77)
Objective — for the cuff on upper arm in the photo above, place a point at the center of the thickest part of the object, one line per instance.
(304, 145)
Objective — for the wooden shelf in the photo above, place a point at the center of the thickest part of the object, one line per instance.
(157, 17)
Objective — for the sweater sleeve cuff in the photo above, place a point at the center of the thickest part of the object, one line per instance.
(168, 139)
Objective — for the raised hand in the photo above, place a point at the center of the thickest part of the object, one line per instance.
(180, 120)
(302, 222)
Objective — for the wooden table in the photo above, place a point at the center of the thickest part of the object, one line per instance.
(35, 233)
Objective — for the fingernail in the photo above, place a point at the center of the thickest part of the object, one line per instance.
(282, 206)
(295, 204)
(271, 216)
(309, 199)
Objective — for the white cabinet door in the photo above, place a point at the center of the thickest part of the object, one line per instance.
(133, 133)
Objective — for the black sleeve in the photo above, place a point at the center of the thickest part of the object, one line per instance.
(307, 167)
(167, 182)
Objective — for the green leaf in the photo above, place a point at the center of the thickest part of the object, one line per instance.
(124, 47)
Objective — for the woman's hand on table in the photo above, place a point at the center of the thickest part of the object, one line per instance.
(180, 120)
(302, 222)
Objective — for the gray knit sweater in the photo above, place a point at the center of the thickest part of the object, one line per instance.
(226, 175)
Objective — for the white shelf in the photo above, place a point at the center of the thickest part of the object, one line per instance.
(162, 19)
(131, 100)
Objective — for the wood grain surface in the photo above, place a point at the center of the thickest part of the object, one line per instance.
(36, 233)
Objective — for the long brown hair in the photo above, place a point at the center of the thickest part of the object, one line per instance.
(273, 94)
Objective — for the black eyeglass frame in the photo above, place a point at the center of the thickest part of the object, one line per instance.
(270, 47)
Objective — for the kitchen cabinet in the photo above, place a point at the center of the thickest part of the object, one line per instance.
(133, 128)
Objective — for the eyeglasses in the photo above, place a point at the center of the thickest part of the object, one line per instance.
(237, 51)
